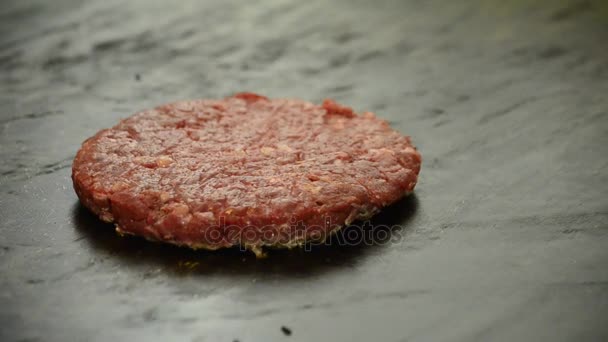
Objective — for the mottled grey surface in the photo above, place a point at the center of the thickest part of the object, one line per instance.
(506, 238)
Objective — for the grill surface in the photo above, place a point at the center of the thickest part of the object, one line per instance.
(506, 237)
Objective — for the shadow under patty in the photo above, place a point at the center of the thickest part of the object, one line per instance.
(345, 249)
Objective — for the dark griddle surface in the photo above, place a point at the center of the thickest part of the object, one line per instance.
(505, 239)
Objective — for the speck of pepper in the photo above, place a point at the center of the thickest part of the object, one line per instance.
(137, 77)
(286, 331)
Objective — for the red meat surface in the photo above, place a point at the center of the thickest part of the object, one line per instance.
(243, 170)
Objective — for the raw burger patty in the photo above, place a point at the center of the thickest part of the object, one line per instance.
(244, 170)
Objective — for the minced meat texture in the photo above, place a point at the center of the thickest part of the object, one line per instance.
(243, 171)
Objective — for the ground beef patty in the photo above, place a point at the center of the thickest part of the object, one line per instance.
(244, 170)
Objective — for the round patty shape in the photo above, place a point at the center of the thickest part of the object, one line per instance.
(244, 170)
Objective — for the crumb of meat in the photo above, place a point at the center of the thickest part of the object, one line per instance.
(286, 331)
